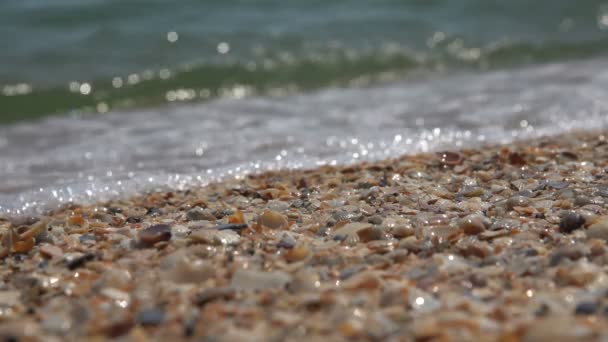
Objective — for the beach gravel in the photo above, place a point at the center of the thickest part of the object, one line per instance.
(498, 243)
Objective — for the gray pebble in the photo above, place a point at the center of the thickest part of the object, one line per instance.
(350, 271)
(287, 241)
(150, 316)
(580, 201)
(375, 220)
(558, 185)
(517, 201)
(199, 214)
(346, 216)
(586, 308)
(87, 237)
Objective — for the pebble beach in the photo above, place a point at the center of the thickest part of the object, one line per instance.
(503, 242)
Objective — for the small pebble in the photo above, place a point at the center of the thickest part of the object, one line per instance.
(493, 234)
(542, 311)
(115, 277)
(51, 251)
(506, 224)
(76, 220)
(517, 201)
(471, 191)
(297, 253)
(442, 234)
(349, 229)
(580, 201)
(79, 261)
(287, 241)
(402, 231)
(272, 220)
(598, 230)
(571, 221)
(232, 226)
(134, 219)
(245, 279)
(370, 234)
(150, 316)
(115, 210)
(186, 270)
(154, 234)
(199, 214)
(276, 205)
(87, 237)
(375, 220)
(153, 211)
(212, 294)
(350, 271)
(558, 185)
(422, 302)
(227, 237)
(9, 298)
(115, 294)
(237, 218)
(586, 308)
(571, 252)
(305, 280)
(346, 216)
(472, 224)
(45, 237)
(220, 213)
(450, 158)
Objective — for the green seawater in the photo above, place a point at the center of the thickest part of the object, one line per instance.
(94, 56)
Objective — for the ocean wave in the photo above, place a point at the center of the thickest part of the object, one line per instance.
(280, 74)
(87, 159)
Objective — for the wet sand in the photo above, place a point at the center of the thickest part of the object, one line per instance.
(503, 242)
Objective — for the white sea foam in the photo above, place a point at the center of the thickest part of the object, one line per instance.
(65, 159)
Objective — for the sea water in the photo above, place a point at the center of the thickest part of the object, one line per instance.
(103, 99)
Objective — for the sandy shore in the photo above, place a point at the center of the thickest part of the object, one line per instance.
(504, 242)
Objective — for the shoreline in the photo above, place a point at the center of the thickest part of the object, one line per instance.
(502, 242)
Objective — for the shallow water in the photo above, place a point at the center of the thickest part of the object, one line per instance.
(90, 158)
(137, 95)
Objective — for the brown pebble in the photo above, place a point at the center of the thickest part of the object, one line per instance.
(35, 229)
(517, 159)
(573, 277)
(401, 232)
(364, 280)
(23, 246)
(297, 253)
(370, 234)
(51, 251)
(350, 329)
(237, 218)
(489, 235)
(155, 233)
(450, 158)
(472, 224)
(475, 249)
(76, 220)
(203, 236)
(441, 234)
(273, 220)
